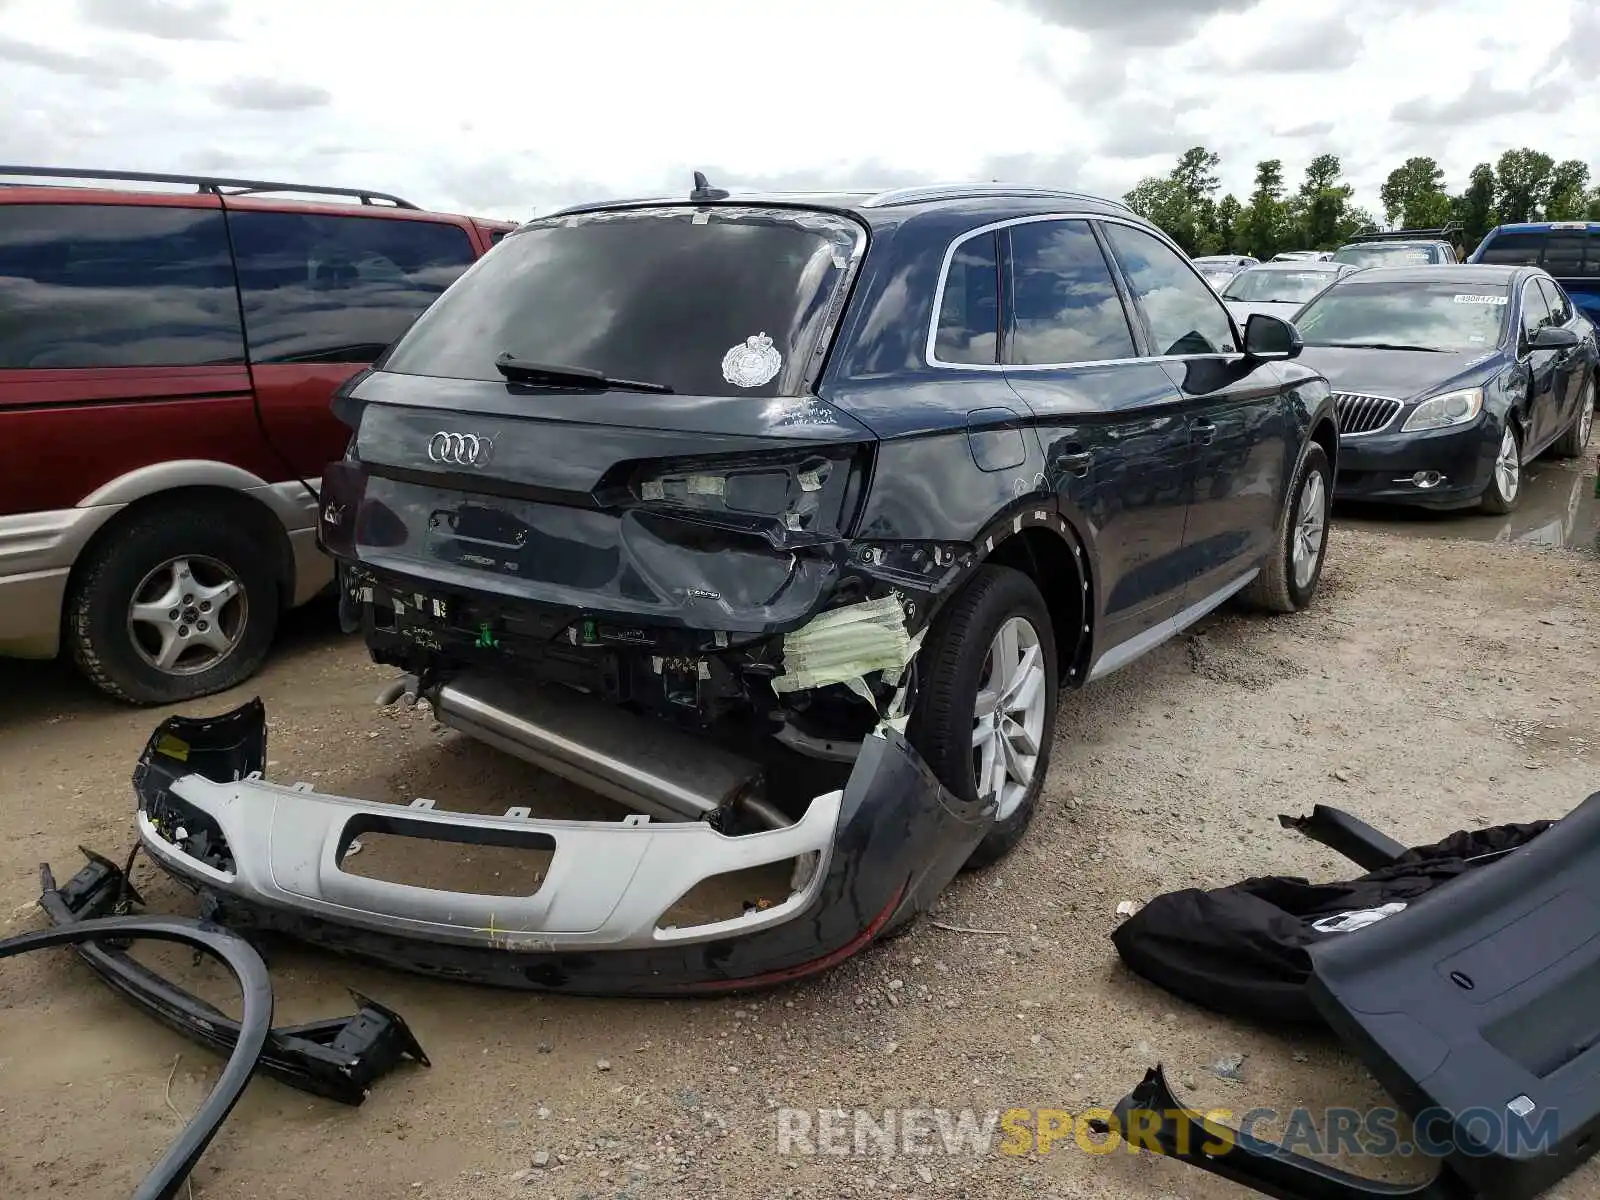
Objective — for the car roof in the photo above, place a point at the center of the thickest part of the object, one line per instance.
(894, 204)
(1546, 226)
(1398, 243)
(1300, 264)
(1462, 273)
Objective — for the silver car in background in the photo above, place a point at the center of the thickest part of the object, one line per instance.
(1218, 269)
(1280, 289)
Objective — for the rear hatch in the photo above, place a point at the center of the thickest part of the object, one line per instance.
(615, 413)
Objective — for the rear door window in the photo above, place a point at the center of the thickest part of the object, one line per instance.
(1184, 315)
(968, 332)
(1065, 307)
(100, 285)
(732, 300)
(335, 289)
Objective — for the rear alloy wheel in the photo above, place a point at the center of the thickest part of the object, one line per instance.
(1505, 480)
(1573, 442)
(986, 701)
(174, 604)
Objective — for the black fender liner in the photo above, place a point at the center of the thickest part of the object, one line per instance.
(166, 1178)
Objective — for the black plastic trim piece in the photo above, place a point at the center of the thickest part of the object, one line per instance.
(166, 1178)
(1370, 849)
(1184, 1134)
(338, 1059)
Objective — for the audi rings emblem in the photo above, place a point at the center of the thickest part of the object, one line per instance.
(459, 449)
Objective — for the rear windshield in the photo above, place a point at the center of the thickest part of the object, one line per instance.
(721, 301)
(1565, 253)
(1379, 255)
(1277, 287)
(1449, 317)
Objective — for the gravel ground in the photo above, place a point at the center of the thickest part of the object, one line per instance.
(1437, 684)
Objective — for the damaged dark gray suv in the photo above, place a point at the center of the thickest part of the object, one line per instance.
(781, 520)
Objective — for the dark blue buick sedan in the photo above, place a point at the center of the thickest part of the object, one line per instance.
(1448, 379)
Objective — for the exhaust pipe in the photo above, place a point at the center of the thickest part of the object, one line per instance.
(640, 763)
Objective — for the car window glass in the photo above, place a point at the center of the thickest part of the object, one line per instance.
(1451, 317)
(99, 285)
(969, 310)
(1560, 307)
(1514, 249)
(1563, 254)
(1185, 316)
(1270, 285)
(739, 300)
(1065, 306)
(337, 289)
(1535, 311)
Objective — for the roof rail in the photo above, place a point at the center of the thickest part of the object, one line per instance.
(1443, 233)
(203, 183)
(975, 191)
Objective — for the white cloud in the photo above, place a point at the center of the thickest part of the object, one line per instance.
(506, 108)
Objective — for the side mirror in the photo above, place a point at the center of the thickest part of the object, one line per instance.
(1553, 337)
(1268, 338)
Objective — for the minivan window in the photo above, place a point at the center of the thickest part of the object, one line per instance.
(1065, 306)
(1185, 316)
(102, 285)
(336, 289)
(707, 301)
(968, 332)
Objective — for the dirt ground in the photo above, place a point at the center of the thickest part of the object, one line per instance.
(1437, 684)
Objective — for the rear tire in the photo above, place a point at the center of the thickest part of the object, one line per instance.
(176, 604)
(1572, 443)
(1288, 580)
(1000, 608)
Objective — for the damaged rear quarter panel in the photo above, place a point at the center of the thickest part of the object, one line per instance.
(944, 432)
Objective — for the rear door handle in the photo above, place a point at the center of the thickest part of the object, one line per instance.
(1204, 432)
(1076, 462)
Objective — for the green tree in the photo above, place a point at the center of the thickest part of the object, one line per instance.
(1229, 230)
(1593, 213)
(1196, 173)
(1474, 208)
(1263, 217)
(1569, 192)
(1523, 177)
(1324, 200)
(1354, 221)
(1414, 195)
(1165, 202)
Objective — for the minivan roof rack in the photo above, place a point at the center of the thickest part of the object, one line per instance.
(977, 191)
(214, 184)
(1440, 234)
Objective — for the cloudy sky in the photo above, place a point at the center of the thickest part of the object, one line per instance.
(508, 107)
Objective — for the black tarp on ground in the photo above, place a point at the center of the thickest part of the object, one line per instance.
(1240, 950)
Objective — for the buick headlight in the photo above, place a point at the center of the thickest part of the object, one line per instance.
(1441, 412)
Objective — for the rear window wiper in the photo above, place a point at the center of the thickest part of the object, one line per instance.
(518, 371)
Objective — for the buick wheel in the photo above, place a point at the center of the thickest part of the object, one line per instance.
(1505, 479)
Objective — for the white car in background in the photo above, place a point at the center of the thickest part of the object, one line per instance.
(1280, 289)
(1217, 269)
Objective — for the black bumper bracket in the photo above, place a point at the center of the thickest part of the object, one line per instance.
(338, 1059)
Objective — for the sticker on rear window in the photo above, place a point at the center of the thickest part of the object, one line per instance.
(1481, 299)
(752, 362)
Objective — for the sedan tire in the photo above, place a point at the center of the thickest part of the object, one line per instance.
(1571, 444)
(1505, 479)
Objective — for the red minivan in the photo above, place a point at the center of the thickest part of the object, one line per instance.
(167, 360)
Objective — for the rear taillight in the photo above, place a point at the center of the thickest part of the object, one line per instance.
(791, 498)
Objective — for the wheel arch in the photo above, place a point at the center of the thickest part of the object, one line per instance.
(262, 520)
(1036, 540)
